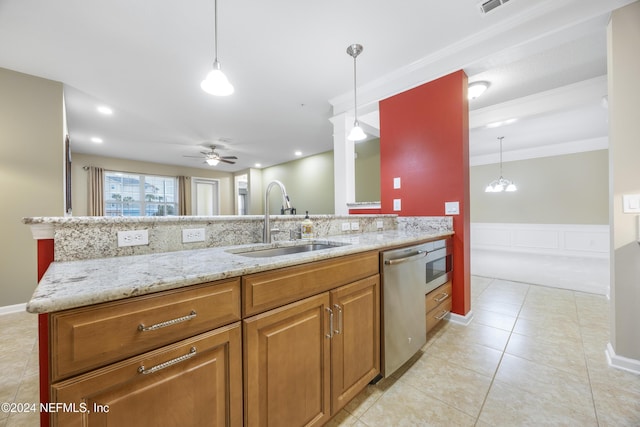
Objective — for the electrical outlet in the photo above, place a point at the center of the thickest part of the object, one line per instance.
(397, 204)
(191, 235)
(346, 226)
(379, 225)
(355, 226)
(133, 238)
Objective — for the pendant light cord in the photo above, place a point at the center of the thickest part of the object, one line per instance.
(355, 92)
(215, 31)
(501, 138)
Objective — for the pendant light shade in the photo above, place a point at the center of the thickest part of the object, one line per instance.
(501, 184)
(216, 83)
(356, 134)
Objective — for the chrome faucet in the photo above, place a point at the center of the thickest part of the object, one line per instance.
(285, 200)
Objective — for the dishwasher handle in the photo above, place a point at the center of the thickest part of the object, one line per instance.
(396, 261)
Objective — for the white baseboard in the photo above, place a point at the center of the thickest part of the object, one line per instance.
(16, 308)
(621, 362)
(460, 320)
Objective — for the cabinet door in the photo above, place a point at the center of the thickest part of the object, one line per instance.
(195, 382)
(355, 346)
(286, 365)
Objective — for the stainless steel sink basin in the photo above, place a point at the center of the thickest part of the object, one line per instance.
(287, 250)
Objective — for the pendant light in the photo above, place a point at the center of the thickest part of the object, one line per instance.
(356, 134)
(216, 83)
(500, 184)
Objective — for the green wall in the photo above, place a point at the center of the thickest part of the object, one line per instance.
(309, 182)
(367, 171)
(31, 169)
(566, 189)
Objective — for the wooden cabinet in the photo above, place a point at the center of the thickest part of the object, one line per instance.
(287, 365)
(308, 344)
(271, 289)
(306, 360)
(195, 382)
(161, 359)
(355, 345)
(89, 337)
(438, 305)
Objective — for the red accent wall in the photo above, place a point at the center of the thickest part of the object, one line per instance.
(424, 140)
(45, 248)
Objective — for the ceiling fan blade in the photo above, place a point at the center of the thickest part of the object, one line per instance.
(229, 157)
(195, 157)
(227, 161)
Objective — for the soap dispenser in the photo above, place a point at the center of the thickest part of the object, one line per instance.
(306, 228)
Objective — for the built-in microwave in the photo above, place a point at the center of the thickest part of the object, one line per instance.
(438, 264)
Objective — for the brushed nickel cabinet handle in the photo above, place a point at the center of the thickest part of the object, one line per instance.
(168, 363)
(443, 296)
(330, 334)
(339, 330)
(166, 323)
(442, 315)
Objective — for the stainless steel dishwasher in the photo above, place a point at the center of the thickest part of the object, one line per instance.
(407, 275)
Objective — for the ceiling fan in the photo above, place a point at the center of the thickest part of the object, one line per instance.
(212, 157)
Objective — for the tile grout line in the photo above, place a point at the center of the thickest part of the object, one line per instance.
(586, 360)
(504, 350)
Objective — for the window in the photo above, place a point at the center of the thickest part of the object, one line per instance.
(128, 194)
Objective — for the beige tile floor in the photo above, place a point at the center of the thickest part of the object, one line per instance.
(532, 356)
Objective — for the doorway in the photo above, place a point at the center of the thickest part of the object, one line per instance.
(206, 200)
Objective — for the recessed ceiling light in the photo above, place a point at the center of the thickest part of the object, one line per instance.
(96, 140)
(298, 153)
(105, 110)
(501, 123)
(476, 89)
(258, 165)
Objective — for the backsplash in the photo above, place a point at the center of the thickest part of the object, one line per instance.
(79, 238)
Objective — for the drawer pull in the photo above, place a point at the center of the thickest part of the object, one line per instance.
(442, 315)
(330, 334)
(168, 363)
(339, 330)
(164, 324)
(443, 296)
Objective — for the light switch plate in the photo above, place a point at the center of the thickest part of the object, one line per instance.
(379, 225)
(452, 208)
(631, 203)
(396, 183)
(346, 226)
(355, 226)
(397, 204)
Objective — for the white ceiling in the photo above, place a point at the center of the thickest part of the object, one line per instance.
(546, 61)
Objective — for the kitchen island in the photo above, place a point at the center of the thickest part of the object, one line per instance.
(131, 330)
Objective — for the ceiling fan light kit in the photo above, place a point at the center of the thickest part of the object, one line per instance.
(356, 134)
(501, 184)
(216, 83)
(212, 158)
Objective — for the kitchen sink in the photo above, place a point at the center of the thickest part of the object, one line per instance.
(286, 250)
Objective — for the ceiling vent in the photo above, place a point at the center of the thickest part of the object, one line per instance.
(488, 6)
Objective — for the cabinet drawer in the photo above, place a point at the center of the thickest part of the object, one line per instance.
(264, 291)
(194, 382)
(437, 296)
(90, 337)
(434, 316)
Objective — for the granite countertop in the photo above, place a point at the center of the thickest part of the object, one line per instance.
(74, 284)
